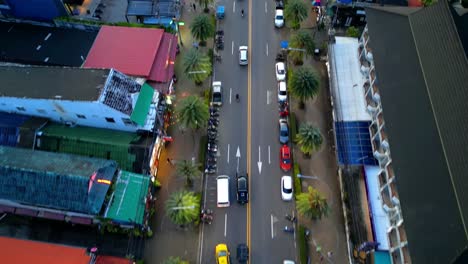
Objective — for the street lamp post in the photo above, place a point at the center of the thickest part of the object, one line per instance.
(183, 207)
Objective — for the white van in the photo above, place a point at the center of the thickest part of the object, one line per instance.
(223, 190)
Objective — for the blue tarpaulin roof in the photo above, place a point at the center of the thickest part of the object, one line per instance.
(353, 143)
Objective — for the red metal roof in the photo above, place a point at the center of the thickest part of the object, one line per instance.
(163, 67)
(26, 251)
(128, 50)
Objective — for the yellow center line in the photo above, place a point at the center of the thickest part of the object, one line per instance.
(249, 111)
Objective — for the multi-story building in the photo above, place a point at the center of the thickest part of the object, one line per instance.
(415, 64)
(88, 97)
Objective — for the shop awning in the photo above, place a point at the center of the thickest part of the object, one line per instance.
(140, 112)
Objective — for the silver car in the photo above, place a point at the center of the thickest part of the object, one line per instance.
(243, 55)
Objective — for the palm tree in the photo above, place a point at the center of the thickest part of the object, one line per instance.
(309, 138)
(312, 204)
(304, 84)
(301, 40)
(192, 112)
(202, 28)
(296, 12)
(205, 4)
(183, 207)
(189, 170)
(175, 260)
(197, 66)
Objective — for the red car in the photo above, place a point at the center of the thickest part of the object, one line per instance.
(285, 158)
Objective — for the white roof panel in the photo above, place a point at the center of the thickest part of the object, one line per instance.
(348, 80)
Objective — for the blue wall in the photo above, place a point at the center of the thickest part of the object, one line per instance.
(42, 10)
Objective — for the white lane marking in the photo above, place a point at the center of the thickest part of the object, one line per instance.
(267, 49)
(259, 163)
(271, 223)
(238, 155)
(234, 6)
(232, 48)
(48, 36)
(225, 224)
(266, 8)
(268, 97)
(230, 95)
(269, 156)
(38, 47)
(228, 154)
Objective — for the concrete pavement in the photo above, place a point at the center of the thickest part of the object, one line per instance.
(328, 234)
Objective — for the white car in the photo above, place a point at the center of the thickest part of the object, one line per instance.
(279, 18)
(243, 55)
(288, 262)
(282, 92)
(280, 71)
(286, 188)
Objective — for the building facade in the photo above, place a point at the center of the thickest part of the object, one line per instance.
(86, 97)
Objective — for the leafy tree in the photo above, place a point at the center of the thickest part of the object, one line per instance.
(205, 4)
(353, 32)
(304, 84)
(175, 260)
(183, 207)
(189, 170)
(197, 66)
(202, 28)
(312, 204)
(192, 112)
(309, 138)
(295, 11)
(301, 40)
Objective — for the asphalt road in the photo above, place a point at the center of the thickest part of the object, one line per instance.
(251, 126)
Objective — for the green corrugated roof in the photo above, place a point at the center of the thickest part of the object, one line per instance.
(88, 141)
(140, 112)
(128, 204)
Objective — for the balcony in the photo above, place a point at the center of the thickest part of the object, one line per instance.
(366, 86)
(386, 199)
(390, 172)
(397, 257)
(406, 254)
(365, 36)
(380, 120)
(393, 238)
(383, 134)
(370, 101)
(382, 179)
(394, 191)
(402, 231)
(373, 130)
(372, 76)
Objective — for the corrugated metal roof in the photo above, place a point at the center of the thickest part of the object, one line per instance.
(129, 50)
(28, 251)
(163, 67)
(91, 142)
(52, 180)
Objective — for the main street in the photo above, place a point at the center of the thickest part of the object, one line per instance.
(251, 126)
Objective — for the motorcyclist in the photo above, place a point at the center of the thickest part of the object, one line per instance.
(237, 97)
(242, 12)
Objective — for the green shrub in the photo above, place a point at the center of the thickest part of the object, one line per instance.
(293, 126)
(199, 198)
(302, 242)
(207, 96)
(202, 152)
(297, 180)
(211, 54)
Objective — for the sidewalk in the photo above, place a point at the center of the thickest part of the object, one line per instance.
(169, 239)
(328, 234)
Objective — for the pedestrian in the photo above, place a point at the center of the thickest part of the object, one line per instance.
(330, 254)
(194, 7)
(321, 258)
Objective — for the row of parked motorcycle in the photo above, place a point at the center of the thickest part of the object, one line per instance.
(213, 123)
(219, 39)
